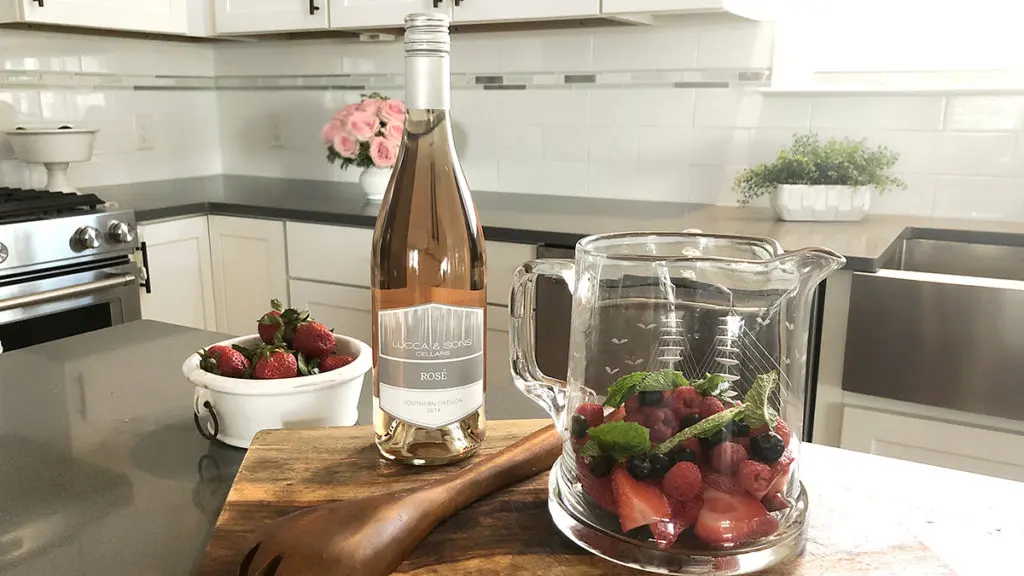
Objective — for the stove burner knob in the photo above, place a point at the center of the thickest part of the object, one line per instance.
(121, 232)
(86, 238)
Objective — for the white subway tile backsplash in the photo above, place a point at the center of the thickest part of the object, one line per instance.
(918, 198)
(649, 49)
(747, 46)
(566, 143)
(729, 107)
(979, 154)
(543, 52)
(657, 181)
(614, 144)
(878, 112)
(985, 113)
(556, 178)
(976, 197)
(481, 174)
(642, 107)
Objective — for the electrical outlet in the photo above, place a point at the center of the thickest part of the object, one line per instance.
(144, 132)
(276, 140)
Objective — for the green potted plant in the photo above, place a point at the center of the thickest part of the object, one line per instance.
(815, 180)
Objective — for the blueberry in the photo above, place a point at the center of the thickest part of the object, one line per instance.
(579, 426)
(660, 464)
(682, 454)
(740, 429)
(602, 466)
(689, 420)
(639, 467)
(716, 438)
(767, 447)
(651, 398)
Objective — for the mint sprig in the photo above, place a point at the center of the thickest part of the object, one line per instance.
(702, 429)
(637, 382)
(619, 439)
(714, 385)
(759, 411)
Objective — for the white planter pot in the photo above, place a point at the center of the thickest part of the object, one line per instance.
(821, 203)
(375, 182)
(241, 408)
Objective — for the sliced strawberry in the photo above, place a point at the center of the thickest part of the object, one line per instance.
(723, 482)
(666, 533)
(638, 503)
(727, 519)
(775, 502)
(684, 515)
(616, 415)
(600, 489)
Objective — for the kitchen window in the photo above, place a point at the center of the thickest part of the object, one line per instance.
(899, 44)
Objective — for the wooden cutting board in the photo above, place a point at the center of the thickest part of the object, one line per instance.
(510, 533)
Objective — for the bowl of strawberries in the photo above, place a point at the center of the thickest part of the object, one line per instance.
(294, 372)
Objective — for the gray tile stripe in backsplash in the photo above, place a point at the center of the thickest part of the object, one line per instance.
(517, 80)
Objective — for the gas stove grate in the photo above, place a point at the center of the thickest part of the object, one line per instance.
(16, 203)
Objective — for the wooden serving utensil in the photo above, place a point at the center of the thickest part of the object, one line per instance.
(371, 536)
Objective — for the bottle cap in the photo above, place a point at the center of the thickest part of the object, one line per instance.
(427, 33)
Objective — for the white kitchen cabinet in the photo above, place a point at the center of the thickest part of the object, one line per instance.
(382, 13)
(472, 11)
(344, 309)
(169, 16)
(238, 16)
(935, 442)
(503, 399)
(249, 270)
(750, 9)
(335, 254)
(180, 273)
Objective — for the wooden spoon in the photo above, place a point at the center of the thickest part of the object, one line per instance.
(373, 535)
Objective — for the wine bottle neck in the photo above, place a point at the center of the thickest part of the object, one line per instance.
(427, 82)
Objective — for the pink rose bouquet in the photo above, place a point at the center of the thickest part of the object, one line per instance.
(367, 134)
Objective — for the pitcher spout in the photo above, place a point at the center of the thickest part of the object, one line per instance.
(814, 264)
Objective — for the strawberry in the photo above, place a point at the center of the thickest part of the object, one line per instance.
(723, 483)
(638, 503)
(617, 415)
(684, 514)
(727, 519)
(224, 361)
(270, 324)
(755, 477)
(600, 489)
(313, 340)
(775, 502)
(334, 362)
(274, 364)
(685, 401)
(592, 413)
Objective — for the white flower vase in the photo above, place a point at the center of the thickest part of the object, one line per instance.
(374, 182)
(793, 202)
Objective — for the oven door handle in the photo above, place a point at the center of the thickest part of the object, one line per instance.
(68, 292)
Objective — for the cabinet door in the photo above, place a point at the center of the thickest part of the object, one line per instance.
(309, 244)
(381, 13)
(344, 309)
(142, 15)
(502, 399)
(234, 16)
(249, 270)
(934, 442)
(180, 273)
(505, 11)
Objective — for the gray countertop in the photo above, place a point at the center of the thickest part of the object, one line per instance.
(552, 220)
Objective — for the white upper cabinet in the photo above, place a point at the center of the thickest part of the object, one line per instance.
(240, 16)
(751, 9)
(170, 16)
(382, 13)
(467, 11)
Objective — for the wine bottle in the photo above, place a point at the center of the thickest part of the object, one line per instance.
(428, 277)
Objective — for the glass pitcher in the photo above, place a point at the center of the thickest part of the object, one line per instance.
(683, 408)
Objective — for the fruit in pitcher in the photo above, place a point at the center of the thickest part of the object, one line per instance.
(767, 447)
(662, 424)
(755, 477)
(597, 486)
(683, 482)
(592, 413)
(727, 456)
(638, 504)
(651, 397)
(639, 467)
(710, 406)
(732, 519)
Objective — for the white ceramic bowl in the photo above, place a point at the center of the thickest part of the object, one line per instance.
(239, 408)
(43, 144)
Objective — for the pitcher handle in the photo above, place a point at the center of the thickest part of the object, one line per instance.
(546, 391)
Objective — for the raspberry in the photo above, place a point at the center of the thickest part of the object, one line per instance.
(682, 482)
(594, 413)
(633, 405)
(662, 423)
(727, 456)
(684, 514)
(660, 433)
(638, 417)
(755, 477)
(724, 483)
(710, 406)
(685, 401)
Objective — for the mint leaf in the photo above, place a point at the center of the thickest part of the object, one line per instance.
(711, 385)
(590, 449)
(702, 429)
(620, 439)
(759, 410)
(635, 382)
(623, 388)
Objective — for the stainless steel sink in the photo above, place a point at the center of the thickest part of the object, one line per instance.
(942, 323)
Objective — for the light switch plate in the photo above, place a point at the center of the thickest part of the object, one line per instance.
(144, 132)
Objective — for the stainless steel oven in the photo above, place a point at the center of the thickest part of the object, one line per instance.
(67, 275)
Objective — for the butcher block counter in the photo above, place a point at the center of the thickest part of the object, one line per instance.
(869, 515)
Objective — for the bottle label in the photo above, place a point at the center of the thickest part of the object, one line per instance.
(430, 364)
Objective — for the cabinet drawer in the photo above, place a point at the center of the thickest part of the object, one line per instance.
(934, 442)
(335, 254)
